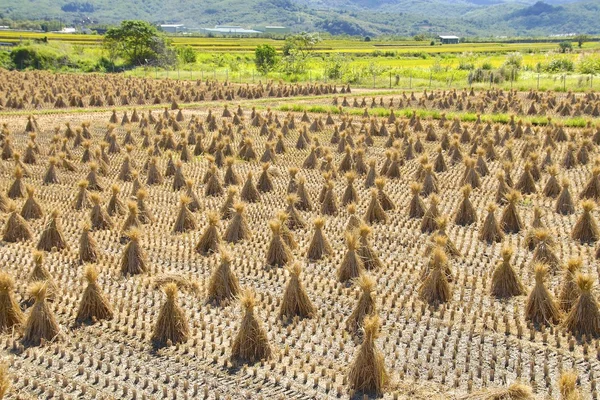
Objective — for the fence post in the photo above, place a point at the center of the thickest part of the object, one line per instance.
(564, 82)
(390, 79)
(538, 82)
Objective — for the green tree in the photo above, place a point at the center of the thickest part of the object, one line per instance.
(581, 39)
(265, 58)
(139, 43)
(186, 54)
(565, 46)
(297, 50)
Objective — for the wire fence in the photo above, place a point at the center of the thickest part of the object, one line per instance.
(404, 79)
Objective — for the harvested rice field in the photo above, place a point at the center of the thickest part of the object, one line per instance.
(209, 245)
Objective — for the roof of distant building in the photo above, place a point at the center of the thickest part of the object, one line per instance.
(230, 29)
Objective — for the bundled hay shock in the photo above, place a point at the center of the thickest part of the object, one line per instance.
(41, 274)
(416, 208)
(194, 205)
(295, 301)
(375, 212)
(526, 183)
(592, 188)
(82, 200)
(52, 236)
(294, 220)
(386, 203)
(16, 228)
(510, 221)
(99, 218)
(249, 192)
(367, 373)
(286, 233)
(133, 259)
(541, 308)
(144, 214)
(94, 305)
(329, 205)
(251, 343)
(503, 188)
(516, 391)
(238, 229)
(505, 281)
(354, 222)
(428, 223)
(490, 232)
(185, 219)
(172, 324)
(569, 292)
(366, 304)
(530, 239)
(352, 265)
(226, 209)
(584, 317)
(278, 252)
(17, 189)
(552, 188)
(11, 315)
(567, 386)
(465, 214)
(40, 325)
(223, 285)
(213, 185)
(88, 248)
(31, 208)
(304, 202)
(544, 251)
(350, 194)
(564, 202)
(586, 229)
(210, 240)
(435, 289)
(115, 205)
(132, 220)
(265, 184)
(319, 246)
(365, 251)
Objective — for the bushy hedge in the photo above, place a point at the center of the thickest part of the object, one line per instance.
(46, 57)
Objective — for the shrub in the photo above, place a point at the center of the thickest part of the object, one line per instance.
(588, 64)
(6, 61)
(558, 65)
(186, 55)
(37, 57)
(265, 58)
(565, 46)
(514, 60)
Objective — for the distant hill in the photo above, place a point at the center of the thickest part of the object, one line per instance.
(353, 17)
